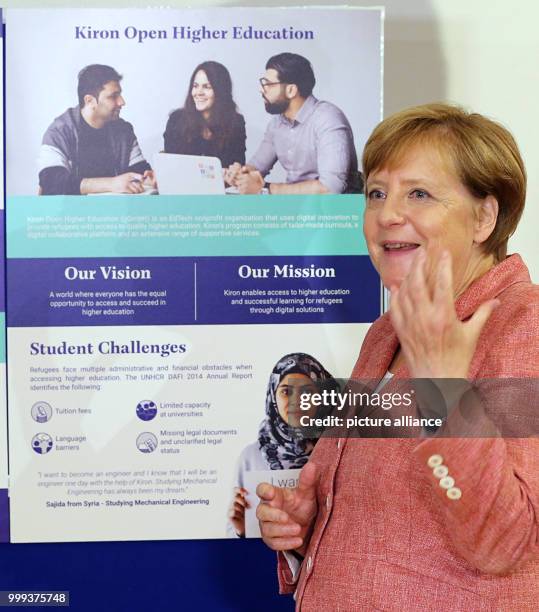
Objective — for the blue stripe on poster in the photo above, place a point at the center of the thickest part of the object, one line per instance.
(2, 271)
(4, 516)
(192, 290)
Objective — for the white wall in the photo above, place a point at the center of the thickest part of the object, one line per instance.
(478, 53)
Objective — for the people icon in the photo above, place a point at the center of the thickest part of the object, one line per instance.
(146, 410)
(42, 443)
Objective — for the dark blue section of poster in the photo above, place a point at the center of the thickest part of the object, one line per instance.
(112, 291)
(337, 289)
(213, 575)
(2, 267)
(190, 291)
(4, 516)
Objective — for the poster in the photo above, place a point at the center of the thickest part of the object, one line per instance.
(143, 329)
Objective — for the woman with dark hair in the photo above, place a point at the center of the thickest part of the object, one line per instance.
(208, 124)
(278, 447)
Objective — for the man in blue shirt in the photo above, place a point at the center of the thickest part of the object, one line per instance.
(310, 138)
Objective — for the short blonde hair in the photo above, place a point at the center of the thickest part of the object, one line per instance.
(483, 153)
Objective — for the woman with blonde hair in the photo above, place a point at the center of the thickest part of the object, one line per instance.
(440, 521)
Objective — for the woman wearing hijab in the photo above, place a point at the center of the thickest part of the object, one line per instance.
(278, 446)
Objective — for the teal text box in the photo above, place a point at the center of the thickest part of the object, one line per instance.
(175, 226)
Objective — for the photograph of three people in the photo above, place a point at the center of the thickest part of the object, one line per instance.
(90, 149)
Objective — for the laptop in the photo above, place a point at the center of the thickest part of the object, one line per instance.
(188, 174)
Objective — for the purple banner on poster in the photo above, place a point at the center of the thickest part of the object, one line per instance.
(4, 516)
(332, 289)
(2, 271)
(192, 290)
(111, 291)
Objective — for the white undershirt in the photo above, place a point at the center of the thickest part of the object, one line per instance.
(383, 381)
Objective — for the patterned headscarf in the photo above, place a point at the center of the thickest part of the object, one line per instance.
(281, 449)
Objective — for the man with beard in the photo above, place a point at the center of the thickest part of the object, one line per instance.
(89, 149)
(311, 139)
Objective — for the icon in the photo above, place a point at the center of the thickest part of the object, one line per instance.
(42, 443)
(146, 442)
(146, 410)
(41, 412)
